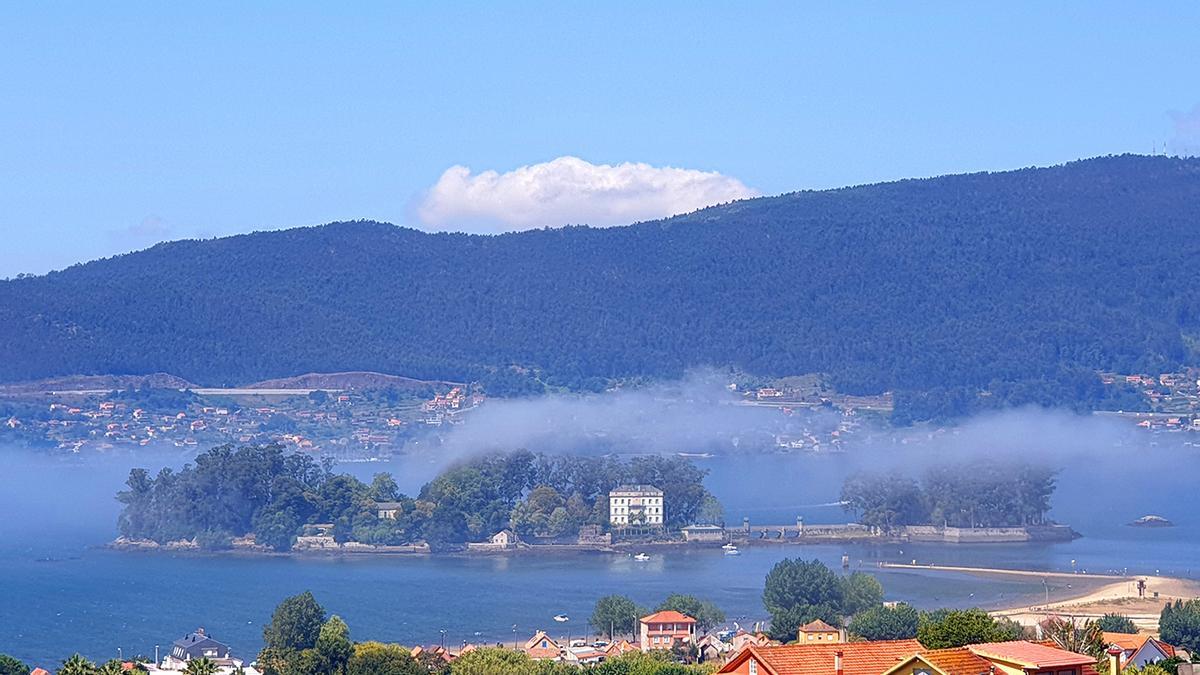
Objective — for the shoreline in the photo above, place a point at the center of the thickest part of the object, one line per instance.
(765, 536)
(1118, 596)
(621, 548)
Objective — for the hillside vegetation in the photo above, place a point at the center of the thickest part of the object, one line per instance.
(1023, 282)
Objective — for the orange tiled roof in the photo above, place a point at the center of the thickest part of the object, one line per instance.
(956, 661)
(668, 616)
(1126, 641)
(1030, 654)
(817, 626)
(620, 647)
(532, 642)
(1132, 642)
(858, 658)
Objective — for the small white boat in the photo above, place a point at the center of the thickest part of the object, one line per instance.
(641, 557)
(729, 547)
(561, 618)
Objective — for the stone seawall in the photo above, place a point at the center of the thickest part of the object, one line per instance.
(988, 535)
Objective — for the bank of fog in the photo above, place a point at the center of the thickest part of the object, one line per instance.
(1108, 471)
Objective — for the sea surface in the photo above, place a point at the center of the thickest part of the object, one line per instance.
(61, 593)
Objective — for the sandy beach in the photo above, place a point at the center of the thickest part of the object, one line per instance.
(1119, 595)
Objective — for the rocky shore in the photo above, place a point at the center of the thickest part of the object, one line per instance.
(326, 546)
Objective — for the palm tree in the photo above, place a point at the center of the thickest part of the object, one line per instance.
(77, 665)
(1086, 639)
(110, 667)
(201, 666)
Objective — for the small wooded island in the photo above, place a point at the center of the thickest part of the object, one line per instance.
(267, 498)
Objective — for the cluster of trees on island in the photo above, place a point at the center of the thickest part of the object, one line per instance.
(232, 492)
(979, 494)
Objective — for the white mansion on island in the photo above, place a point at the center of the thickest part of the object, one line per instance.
(635, 506)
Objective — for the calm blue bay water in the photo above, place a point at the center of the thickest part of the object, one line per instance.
(58, 594)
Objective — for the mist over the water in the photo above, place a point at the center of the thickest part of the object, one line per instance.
(64, 595)
(695, 414)
(1109, 470)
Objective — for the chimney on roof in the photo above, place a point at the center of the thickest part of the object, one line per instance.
(837, 662)
(1114, 660)
(200, 630)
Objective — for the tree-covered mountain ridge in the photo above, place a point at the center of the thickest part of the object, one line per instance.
(961, 281)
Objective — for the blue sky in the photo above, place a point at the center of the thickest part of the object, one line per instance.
(127, 123)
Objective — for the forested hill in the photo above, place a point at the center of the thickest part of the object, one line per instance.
(956, 281)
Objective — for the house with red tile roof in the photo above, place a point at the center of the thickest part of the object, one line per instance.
(1137, 649)
(662, 630)
(998, 658)
(619, 647)
(39, 671)
(742, 638)
(851, 658)
(542, 646)
(909, 657)
(436, 651)
(955, 661)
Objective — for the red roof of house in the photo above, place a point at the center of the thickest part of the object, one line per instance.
(668, 616)
(1132, 642)
(858, 658)
(955, 661)
(1126, 641)
(39, 671)
(817, 626)
(620, 647)
(532, 643)
(1030, 654)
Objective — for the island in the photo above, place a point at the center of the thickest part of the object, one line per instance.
(968, 501)
(264, 498)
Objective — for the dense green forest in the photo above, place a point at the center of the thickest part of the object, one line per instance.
(975, 494)
(1022, 283)
(230, 492)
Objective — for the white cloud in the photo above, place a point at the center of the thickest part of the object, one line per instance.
(569, 190)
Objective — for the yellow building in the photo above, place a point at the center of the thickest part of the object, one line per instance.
(818, 631)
